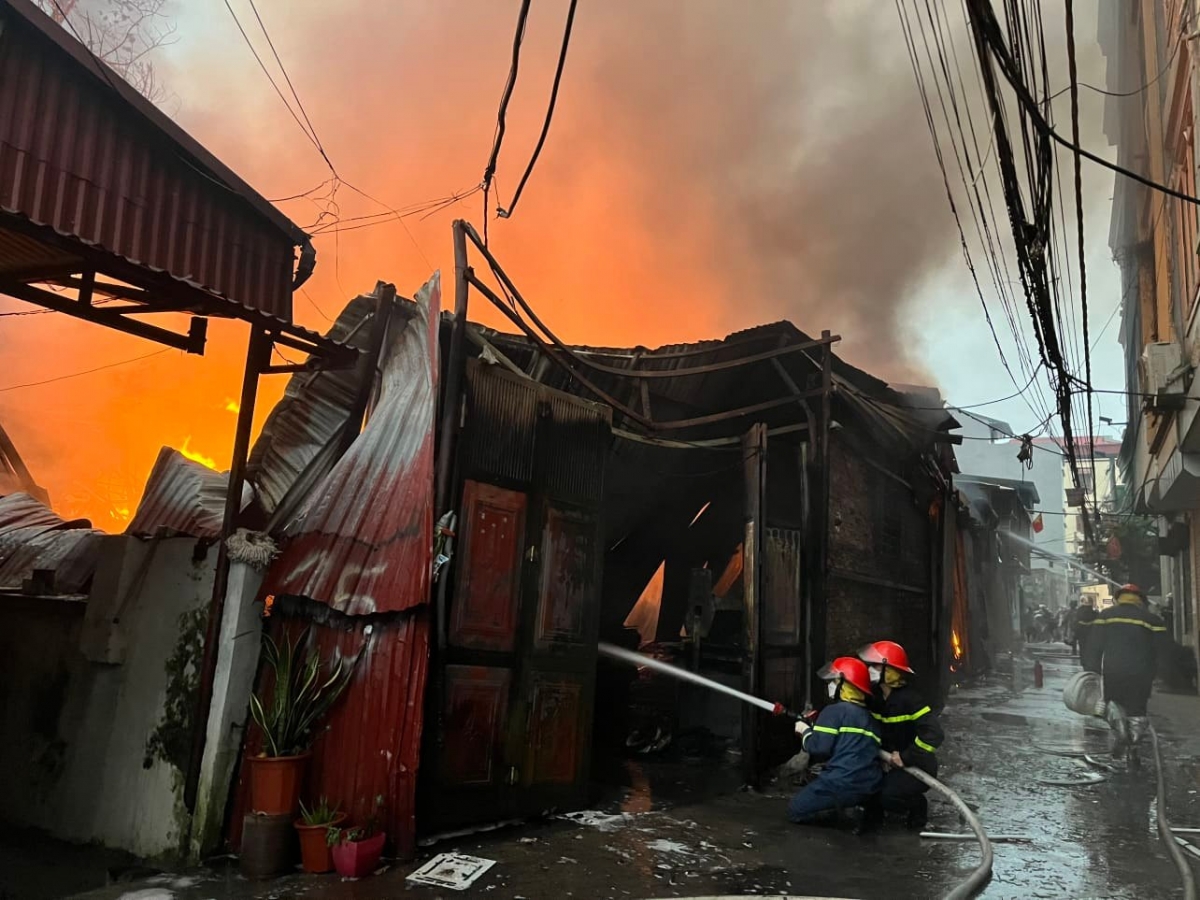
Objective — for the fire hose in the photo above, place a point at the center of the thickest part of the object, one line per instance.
(973, 882)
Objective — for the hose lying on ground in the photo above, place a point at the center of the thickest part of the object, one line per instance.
(978, 878)
(1164, 827)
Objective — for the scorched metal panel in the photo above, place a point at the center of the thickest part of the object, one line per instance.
(364, 542)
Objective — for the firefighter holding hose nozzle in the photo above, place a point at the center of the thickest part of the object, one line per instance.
(845, 739)
(1123, 646)
(910, 730)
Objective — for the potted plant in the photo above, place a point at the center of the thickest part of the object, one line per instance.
(356, 851)
(313, 827)
(302, 693)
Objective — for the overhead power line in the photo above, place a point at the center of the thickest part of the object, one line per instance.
(489, 170)
(123, 362)
(1008, 68)
(537, 150)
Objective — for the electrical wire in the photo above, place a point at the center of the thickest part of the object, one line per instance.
(489, 171)
(123, 362)
(989, 32)
(537, 150)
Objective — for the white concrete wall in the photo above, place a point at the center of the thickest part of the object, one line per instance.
(103, 786)
(237, 661)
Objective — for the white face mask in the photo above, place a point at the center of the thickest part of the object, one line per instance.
(876, 674)
(833, 689)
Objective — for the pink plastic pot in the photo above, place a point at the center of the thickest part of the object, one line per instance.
(355, 859)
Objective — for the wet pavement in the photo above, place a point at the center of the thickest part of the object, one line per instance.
(679, 830)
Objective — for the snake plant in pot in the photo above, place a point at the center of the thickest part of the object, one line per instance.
(302, 693)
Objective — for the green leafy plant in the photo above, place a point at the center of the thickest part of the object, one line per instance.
(301, 696)
(321, 814)
(337, 836)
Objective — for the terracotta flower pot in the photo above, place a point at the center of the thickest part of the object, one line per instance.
(275, 783)
(315, 855)
(354, 859)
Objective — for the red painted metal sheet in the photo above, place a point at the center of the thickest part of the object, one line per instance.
(370, 744)
(488, 597)
(364, 543)
(104, 167)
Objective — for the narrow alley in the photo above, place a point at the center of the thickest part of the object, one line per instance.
(674, 830)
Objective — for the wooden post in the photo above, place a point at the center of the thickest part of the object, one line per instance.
(754, 456)
(258, 356)
(451, 402)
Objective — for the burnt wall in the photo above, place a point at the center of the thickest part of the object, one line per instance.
(881, 547)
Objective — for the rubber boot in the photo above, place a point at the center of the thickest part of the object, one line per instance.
(918, 815)
(1120, 730)
(1138, 726)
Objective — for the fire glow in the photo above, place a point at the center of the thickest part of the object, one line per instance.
(956, 645)
(207, 461)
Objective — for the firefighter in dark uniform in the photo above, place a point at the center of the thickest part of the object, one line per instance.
(1085, 615)
(844, 737)
(910, 730)
(1123, 646)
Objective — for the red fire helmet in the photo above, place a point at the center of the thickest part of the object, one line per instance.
(1131, 589)
(851, 670)
(885, 653)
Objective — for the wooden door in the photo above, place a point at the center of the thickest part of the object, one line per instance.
(517, 673)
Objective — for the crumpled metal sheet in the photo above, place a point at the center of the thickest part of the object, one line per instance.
(364, 540)
(182, 497)
(32, 536)
(312, 412)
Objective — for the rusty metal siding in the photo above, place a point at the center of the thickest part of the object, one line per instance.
(78, 158)
(502, 412)
(369, 745)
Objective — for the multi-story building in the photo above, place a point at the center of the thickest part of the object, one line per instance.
(1099, 477)
(1150, 50)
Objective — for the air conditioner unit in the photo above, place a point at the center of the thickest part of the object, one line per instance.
(1161, 364)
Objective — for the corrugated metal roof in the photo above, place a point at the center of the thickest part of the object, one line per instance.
(182, 497)
(364, 542)
(34, 537)
(85, 157)
(313, 409)
(887, 412)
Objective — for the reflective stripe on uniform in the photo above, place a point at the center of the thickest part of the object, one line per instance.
(928, 748)
(1116, 621)
(911, 717)
(847, 729)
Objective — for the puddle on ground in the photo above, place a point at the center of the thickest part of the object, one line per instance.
(743, 881)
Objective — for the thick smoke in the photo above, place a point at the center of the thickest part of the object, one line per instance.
(712, 165)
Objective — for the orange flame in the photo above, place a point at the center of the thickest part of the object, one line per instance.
(232, 405)
(956, 645)
(194, 456)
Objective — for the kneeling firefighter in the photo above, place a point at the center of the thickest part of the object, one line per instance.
(845, 739)
(910, 730)
(1123, 646)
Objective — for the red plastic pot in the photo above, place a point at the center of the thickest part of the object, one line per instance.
(315, 853)
(275, 783)
(355, 859)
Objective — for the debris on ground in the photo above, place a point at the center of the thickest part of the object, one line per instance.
(454, 871)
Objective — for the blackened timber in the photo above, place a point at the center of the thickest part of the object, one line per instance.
(877, 582)
(675, 424)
